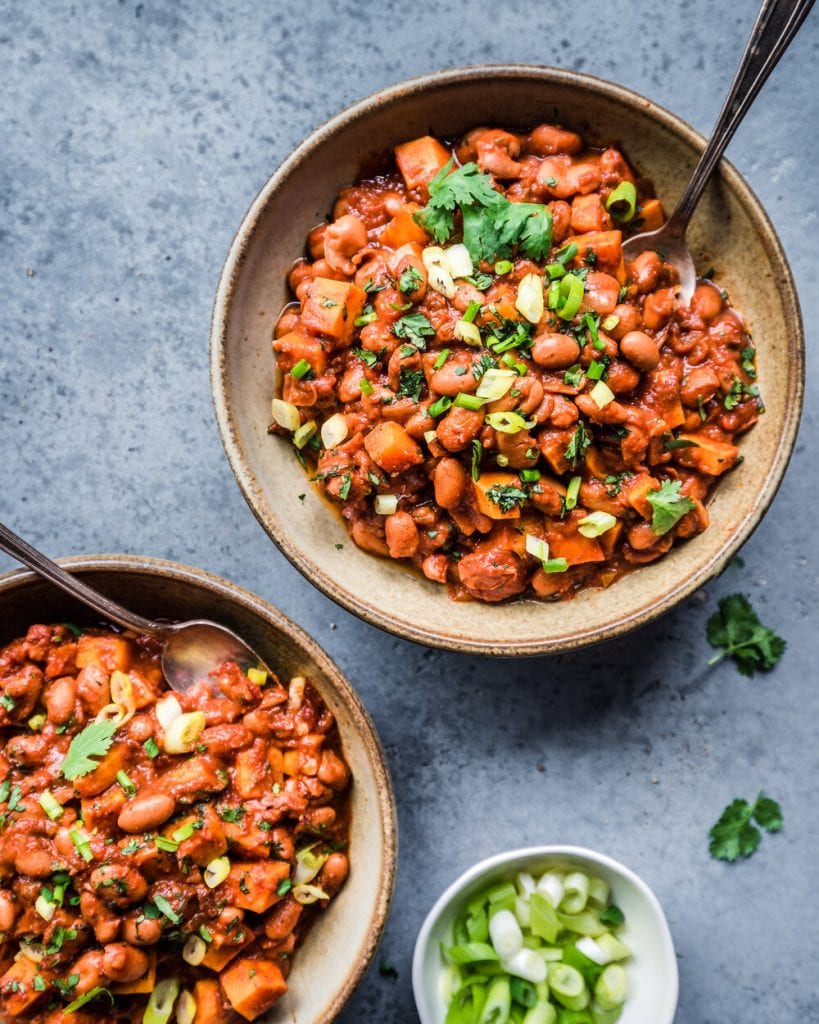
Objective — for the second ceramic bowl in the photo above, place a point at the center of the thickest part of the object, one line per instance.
(341, 943)
(730, 231)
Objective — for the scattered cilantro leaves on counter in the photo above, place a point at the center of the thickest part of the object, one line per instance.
(735, 835)
(93, 742)
(737, 629)
(386, 970)
(669, 506)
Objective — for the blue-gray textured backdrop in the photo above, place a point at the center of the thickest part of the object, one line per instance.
(132, 138)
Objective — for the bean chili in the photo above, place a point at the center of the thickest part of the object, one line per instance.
(485, 388)
(158, 851)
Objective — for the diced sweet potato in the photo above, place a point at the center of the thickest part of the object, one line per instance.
(403, 228)
(589, 214)
(97, 811)
(565, 542)
(106, 772)
(206, 842)
(635, 491)
(252, 885)
(609, 539)
(553, 445)
(225, 948)
(146, 983)
(420, 160)
(651, 214)
(107, 652)
(189, 779)
(17, 992)
(251, 776)
(208, 999)
(490, 508)
(298, 345)
(607, 246)
(331, 308)
(390, 447)
(709, 457)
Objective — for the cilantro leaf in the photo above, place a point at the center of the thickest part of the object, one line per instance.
(529, 225)
(506, 496)
(735, 835)
(464, 187)
(669, 506)
(411, 382)
(414, 328)
(86, 997)
(736, 627)
(576, 451)
(94, 741)
(409, 281)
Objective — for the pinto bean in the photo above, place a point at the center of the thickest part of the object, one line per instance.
(555, 351)
(459, 428)
(401, 535)
(59, 699)
(548, 139)
(495, 151)
(333, 771)
(8, 911)
(641, 537)
(122, 962)
(628, 319)
(141, 931)
(34, 856)
(564, 412)
(369, 536)
(435, 567)
(146, 811)
(706, 301)
(492, 575)
(644, 271)
(28, 750)
(222, 739)
(640, 349)
(657, 308)
(621, 377)
(602, 292)
(118, 885)
(333, 872)
(449, 480)
(89, 969)
(343, 239)
(454, 376)
(104, 922)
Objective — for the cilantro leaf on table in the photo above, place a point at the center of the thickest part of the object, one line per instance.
(735, 835)
(669, 506)
(736, 628)
(93, 742)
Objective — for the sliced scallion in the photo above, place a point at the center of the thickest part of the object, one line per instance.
(621, 202)
(128, 787)
(52, 807)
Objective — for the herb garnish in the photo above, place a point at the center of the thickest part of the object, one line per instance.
(734, 835)
(414, 327)
(576, 451)
(506, 496)
(410, 383)
(669, 506)
(93, 742)
(736, 628)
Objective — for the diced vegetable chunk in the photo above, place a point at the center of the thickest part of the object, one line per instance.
(391, 447)
(420, 160)
(331, 308)
(253, 986)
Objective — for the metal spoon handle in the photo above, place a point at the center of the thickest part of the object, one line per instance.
(108, 609)
(776, 24)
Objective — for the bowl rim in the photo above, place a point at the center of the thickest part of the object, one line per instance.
(275, 526)
(16, 579)
(553, 850)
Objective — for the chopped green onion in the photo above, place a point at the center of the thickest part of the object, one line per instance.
(572, 492)
(502, 460)
(471, 953)
(529, 476)
(610, 989)
(567, 985)
(301, 369)
(82, 845)
(570, 290)
(465, 401)
(595, 370)
(555, 270)
(37, 723)
(86, 997)
(164, 907)
(622, 202)
(128, 787)
(170, 845)
(508, 422)
(257, 676)
(442, 358)
(305, 432)
(440, 407)
(568, 252)
(504, 267)
(472, 311)
(613, 916)
(596, 524)
(555, 565)
(150, 747)
(610, 323)
(52, 807)
(161, 1002)
(365, 318)
(184, 832)
(366, 387)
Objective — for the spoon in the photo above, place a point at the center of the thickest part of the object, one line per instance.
(776, 24)
(190, 650)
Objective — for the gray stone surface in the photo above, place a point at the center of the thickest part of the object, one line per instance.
(132, 138)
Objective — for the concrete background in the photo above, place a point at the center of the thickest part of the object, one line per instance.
(132, 139)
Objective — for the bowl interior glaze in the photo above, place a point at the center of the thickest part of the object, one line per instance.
(730, 232)
(342, 942)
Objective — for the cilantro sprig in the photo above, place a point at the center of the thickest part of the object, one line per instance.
(737, 629)
(735, 835)
(668, 505)
(93, 742)
(492, 225)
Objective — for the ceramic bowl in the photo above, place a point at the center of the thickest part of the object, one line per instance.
(338, 948)
(730, 232)
(651, 970)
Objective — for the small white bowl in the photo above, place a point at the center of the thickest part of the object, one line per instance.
(653, 980)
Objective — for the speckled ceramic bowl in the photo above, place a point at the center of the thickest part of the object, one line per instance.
(730, 231)
(342, 942)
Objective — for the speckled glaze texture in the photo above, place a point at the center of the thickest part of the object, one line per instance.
(134, 136)
(342, 942)
(729, 228)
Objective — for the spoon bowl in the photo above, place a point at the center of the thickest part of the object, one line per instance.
(191, 651)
